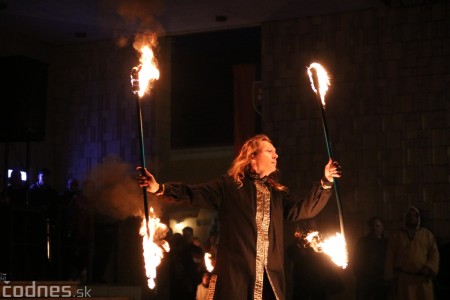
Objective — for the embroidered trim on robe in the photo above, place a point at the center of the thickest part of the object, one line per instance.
(262, 239)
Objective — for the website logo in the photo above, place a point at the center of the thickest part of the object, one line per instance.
(36, 290)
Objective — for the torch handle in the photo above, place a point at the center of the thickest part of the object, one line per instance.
(325, 132)
(141, 145)
(330, 155)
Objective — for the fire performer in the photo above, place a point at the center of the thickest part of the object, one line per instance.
(252, 205)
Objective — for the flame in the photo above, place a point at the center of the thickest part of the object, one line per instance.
(148, 69)
(322, 79)
(154, 246)
(209, 262)
(335, 247)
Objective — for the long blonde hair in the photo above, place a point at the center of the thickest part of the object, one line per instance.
(241, 164)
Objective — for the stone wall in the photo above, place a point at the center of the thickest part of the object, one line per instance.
(387, 108)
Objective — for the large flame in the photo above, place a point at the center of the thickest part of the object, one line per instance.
(153, 244)
(209, 262)
(148, 68)
(335, 247)
(323, 81)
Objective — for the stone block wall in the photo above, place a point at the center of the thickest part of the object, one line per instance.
(93, 110)
(387, 110)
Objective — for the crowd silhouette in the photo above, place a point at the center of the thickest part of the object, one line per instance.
(59, 235)
(49, 234)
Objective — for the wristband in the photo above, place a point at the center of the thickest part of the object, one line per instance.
(326, 184)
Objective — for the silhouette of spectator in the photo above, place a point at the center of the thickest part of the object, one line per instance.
(193, 260)
(412, 259)
(43, 200)
(42, 195)
(16, 191)
(178, 277)
(196, 241)
(75, 220)
(68, 209)
(368, 262)
(17, 223)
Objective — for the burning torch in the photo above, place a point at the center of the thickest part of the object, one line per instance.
(135, 87)
(141, 77)
(319, 84)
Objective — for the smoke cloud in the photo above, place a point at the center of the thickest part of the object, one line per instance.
(139, 16)
(113, 191)
(141, 13)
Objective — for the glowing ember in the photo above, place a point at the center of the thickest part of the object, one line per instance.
(147, 70)
(154, 245)
(209, 262)
(335, 247)
(322, 79)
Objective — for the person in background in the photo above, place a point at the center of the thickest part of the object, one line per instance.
(196, 241)
(17, 224)
(192, 256)
(412, 260)
(70, 198)
(69, 220)
(179, 281)
(252, 207)
(42, 195)
(368, 262)
(202, 288)
(43, 202)
(16, 190)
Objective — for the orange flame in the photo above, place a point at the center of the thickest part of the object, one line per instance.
(148, 68)
(335, 247)
(209, 264)
(322, 79)
(154, 246)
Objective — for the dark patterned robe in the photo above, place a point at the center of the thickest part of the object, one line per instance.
(235, 273)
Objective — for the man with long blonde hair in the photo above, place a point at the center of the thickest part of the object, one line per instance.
(252, 206)
(242, 163)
